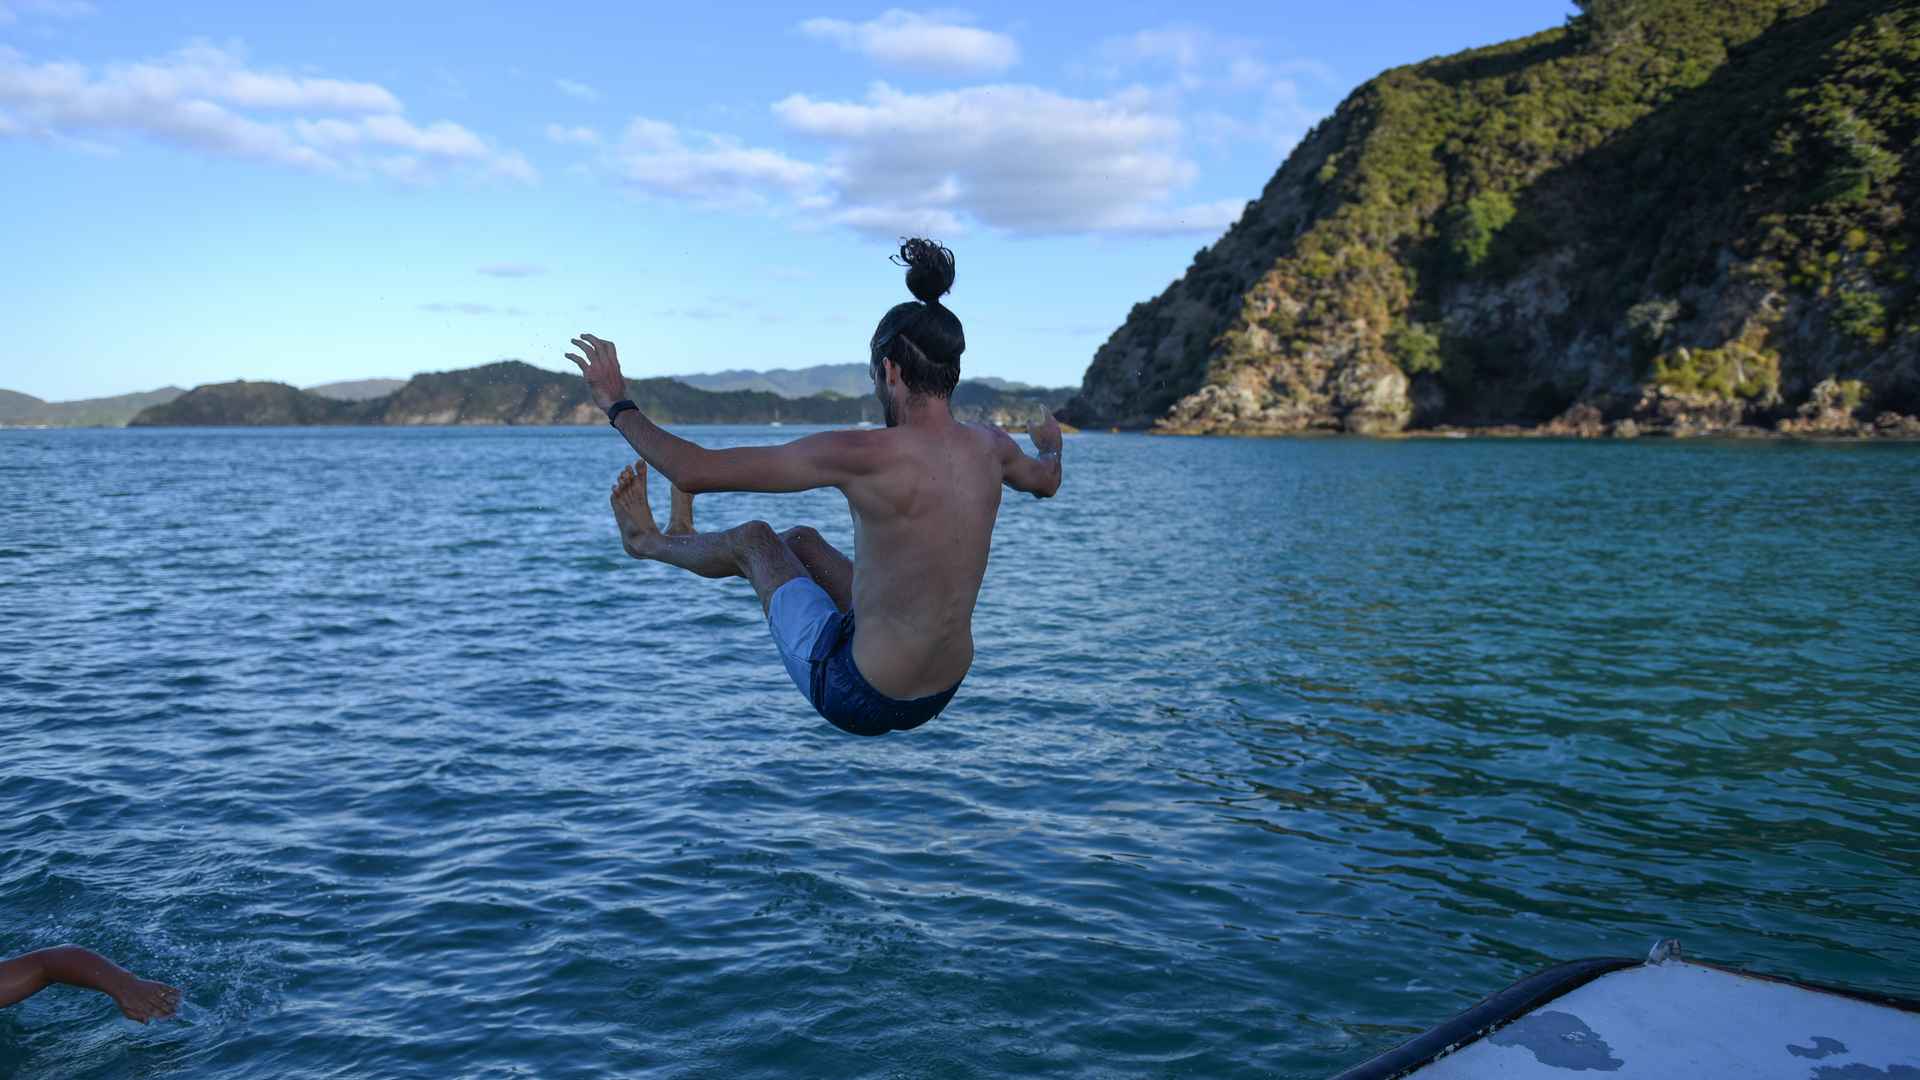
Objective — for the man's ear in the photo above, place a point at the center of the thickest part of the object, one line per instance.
(892, 371)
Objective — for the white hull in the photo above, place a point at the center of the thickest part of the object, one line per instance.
(1665, 1019)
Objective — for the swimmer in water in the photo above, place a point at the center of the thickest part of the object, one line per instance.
(923, 493)
(139, 999)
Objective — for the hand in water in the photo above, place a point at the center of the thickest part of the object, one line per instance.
(1046, 437)
(602, 369)
(144, 1000)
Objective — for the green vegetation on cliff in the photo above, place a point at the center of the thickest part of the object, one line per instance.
(1664, 204)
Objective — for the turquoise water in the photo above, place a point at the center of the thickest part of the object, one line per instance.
(1275, 752)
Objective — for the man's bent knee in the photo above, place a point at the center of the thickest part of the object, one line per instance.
(756, 534)
(800, 534)
(762, 553)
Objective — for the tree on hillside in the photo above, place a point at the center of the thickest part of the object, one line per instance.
(1607, 23)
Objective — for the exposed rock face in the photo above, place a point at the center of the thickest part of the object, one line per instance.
(1670, 217)
(1839, 409)
(1165, 350)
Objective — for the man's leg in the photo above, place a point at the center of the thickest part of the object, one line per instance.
(752, 551)
(680, 518)
(822, 562)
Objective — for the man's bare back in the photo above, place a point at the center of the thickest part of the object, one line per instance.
(922, 526)
(923, 493)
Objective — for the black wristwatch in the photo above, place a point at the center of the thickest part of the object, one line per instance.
(614, 410)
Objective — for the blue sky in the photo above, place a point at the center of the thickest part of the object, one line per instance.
(304, 193)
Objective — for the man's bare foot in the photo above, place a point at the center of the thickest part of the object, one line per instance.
(144, 1000)
(680, 521)
(638, 534)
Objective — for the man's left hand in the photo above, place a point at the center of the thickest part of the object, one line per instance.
(1046, 435)
(602, 369)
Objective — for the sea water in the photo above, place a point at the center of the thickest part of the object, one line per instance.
(1274, 753)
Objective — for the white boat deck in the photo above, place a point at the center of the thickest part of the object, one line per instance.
(1681, 1021)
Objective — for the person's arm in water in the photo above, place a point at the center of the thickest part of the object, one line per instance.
(826, 459)
(1038, 474)
(139, 999)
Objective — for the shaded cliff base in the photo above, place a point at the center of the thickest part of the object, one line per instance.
(1834, 410)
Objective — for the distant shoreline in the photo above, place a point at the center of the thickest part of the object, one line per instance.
(1517, 434)
(1509, 433)
(1016, 429)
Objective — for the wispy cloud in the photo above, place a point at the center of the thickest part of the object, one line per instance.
(512, 269)
(469, 309)
(660, 159)
(940, 41)
(1190, 62)
(204, 98)
(572, 136)
(733, 309)
(577, 90)
(1194, 57)
(13, 10)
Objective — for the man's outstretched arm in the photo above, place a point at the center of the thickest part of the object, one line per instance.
(1039, 474)
(139, 999)
(826, 459)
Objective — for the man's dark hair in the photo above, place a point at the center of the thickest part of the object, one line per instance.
(921, 335)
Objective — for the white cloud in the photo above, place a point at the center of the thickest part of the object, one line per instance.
(898, 219)
(936, 41)
(577, 90)
(578, 136)
(198, 98)
(657, 158)
(513, 165)
(444, 139)
(1018, 158)
(512, 269)
(215, 73)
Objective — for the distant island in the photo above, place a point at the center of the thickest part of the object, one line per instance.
(357, 389)
(25, 410)
(849, 380)
(1665, 217)
(512, 392)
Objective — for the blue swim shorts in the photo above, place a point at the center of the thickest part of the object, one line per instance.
(816, 645)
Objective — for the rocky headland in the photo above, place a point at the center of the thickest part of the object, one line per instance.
(1668, 217)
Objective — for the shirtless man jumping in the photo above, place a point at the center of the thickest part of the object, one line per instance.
(923, 492)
